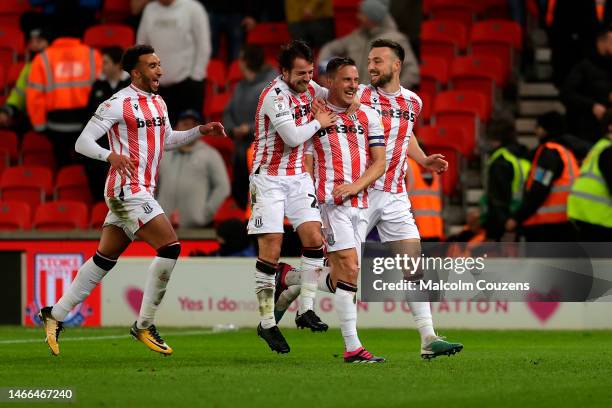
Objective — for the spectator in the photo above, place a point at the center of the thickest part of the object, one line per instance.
(136, 9)
(57, 90)
(573, 27)
(587, 90)
(408, 16)
(376, 22)
(590, 202)
(311, 21)
(113, 79)
(506, 172)
(193, 179)
(180, 33)
(240, 111)
(13, 114)
(542, 213)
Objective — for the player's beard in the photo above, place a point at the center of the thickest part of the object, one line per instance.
(383, 79)
(299, 86)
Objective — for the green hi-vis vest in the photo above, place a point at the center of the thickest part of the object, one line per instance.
(521, 169)
(590, 199)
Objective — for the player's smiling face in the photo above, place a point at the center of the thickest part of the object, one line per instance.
(300, 75)
(382, 65)
(149, 71)
(344, 85)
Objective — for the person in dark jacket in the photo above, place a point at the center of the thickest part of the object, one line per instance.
(587, 90)
(507, 171)
(543, 210)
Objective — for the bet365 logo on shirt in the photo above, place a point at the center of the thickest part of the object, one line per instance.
(155, 121)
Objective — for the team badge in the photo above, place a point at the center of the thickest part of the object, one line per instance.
(279, 104)
(353, 116)
(258, 222)
(146, 207)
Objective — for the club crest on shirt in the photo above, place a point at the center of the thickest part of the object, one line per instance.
(279, 104)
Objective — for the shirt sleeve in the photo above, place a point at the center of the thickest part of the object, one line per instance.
(376, 134)
(276, 107)
(108, 113)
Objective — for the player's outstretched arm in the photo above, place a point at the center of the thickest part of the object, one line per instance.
(372, 173)
(178, 138)
(433, 162)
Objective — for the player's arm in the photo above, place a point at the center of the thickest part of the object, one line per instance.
(433, 162)
(371, 174)
(178, 138)
(278, 110)
(309, 160)
(105, 117)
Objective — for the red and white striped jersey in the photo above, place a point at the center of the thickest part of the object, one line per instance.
(399, 112)
(137, 125)
(278, 104)
(342, 152)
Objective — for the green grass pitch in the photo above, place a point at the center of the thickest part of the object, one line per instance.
(497, 369)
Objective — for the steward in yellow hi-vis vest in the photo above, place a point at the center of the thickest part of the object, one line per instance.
(589, 205)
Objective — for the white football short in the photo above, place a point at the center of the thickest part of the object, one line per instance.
(341, 226)
(131, 213)
(390, 213)
(274, 197)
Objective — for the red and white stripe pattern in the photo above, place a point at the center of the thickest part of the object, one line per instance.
(399, 113)
(270, 154)
(341, 154)
(139, 132)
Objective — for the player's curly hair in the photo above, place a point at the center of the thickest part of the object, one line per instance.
(295, 49)
(397, 49)
(132, 54)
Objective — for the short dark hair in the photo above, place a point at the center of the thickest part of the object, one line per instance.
(335, 64)
(397, 49)
(295, 49)
(132, 54)
(253, 57)
(114, 53)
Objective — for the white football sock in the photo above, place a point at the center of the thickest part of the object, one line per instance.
(87, 278)
(347, 314)
(324, 281)
(264, 289)
(287, 297)
(158, 276)
(310, 268)
(421, 312)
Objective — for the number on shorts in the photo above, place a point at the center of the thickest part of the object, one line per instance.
(314, 203)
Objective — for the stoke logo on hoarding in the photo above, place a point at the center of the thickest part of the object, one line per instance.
(53, 274)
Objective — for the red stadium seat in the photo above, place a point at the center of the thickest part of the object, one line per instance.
(61, 216)
(15, 215)
(216, 79)
(483, 74)
(461, 109)
(427, 99)
(490, 9)
(449, 136)
(451, 177)
(228, 210)
(215, 104)
(463, 11)
(98, 215)
(37, 150)
(116, 10)
(270, 36)
(31, 184)
(434, 74)
(445, 31)
(345, 16)
(12, 38)
(106, 35)
(234, 74)
(5, 159)
(72, 184)
(13, 73)
(4, 79)
(496, 38)
(8, 57)
(10, 142)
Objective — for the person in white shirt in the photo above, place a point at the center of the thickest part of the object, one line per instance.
(179, 31)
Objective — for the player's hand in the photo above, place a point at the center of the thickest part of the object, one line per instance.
(345, 190)
(326, 118)
(123, 164)
(213, 129)
(317, 105)
(435, 163)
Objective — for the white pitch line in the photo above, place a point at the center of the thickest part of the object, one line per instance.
(122, 336)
